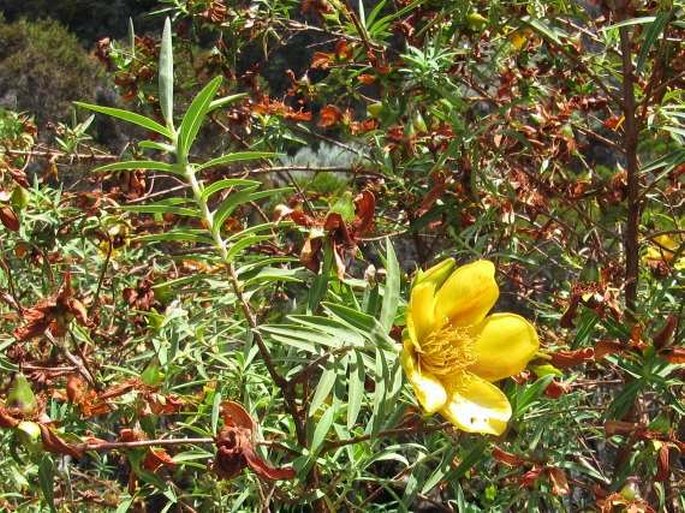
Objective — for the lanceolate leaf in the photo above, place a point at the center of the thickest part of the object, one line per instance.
(166, 76)
(391, 292)
(238, 156)
(131, 117)
(324, 388)
(46, 476)
(139, 164)
(220, 185)
(195, 115)
(163, 208)
(355, 389)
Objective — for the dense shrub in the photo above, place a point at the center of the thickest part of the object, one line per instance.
(43, 69)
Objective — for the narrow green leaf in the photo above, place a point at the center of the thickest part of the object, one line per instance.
(355, 389)
(652, 34)
(238, 156)
(320, 285)
(669, 161)
(367, 326)
(391, 291)
(131, 37)
(124, 504)
(258, 228)
(216, 409)
(542, 28)
(244, 243)
(445, 472)
(130, 117)
(323, 425)
(233, 201)
(195, 115)
(226, 100)
(162, 208)
(381, 379)
(46, 476)
(139, 164)
(630, 22)
(177, 235)
(220, 185)
(155, 145)
(166, 75)
(323, 388)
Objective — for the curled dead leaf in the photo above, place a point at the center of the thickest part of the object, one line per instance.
(236, 447)
(156, 458)
(9, 218)
(559, 482)
(54, 444)
(566, 359)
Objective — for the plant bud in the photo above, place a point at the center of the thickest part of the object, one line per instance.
(20, 396)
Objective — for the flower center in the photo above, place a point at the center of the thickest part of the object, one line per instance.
(448, 350)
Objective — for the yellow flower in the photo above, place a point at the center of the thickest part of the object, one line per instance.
(453, 350)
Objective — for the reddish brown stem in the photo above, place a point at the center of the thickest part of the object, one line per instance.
(630, 140)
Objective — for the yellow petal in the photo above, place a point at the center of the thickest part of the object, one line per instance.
(504, 346)
(436, 274)
(468, 295)
(421, 316)
(428, 389)
(477, 406)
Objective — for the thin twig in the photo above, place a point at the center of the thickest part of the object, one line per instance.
(80, 367)
(107, 446)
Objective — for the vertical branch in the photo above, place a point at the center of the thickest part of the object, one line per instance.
(630, 139)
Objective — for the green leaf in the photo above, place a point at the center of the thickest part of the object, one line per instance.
(233, 201)
(323, 388)
(124, 504)
(131, 37)
(239, 246)
(195, 115)
(238, 156)
(220, 185)
(162, 207)
(130, 117)
(381, 379)
(216, 410)
(355, 389)
(177, 235)
(46, 476)
(216, 104)
(240, 198)
(323, 425)
(391, 291)
(544, 29)
(652, 34)
(445, 471)
(155, 145)
(368, 326)
(320, 285)
(139, 164)
(669, 161)
(630, 22)
(166, 75)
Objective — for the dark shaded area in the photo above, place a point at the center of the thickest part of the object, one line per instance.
(90, 20)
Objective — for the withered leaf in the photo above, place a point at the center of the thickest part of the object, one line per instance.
(9, 218)
(559, 482)
(54, 444)
(236, 448)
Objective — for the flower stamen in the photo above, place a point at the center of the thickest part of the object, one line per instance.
(448, 350)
